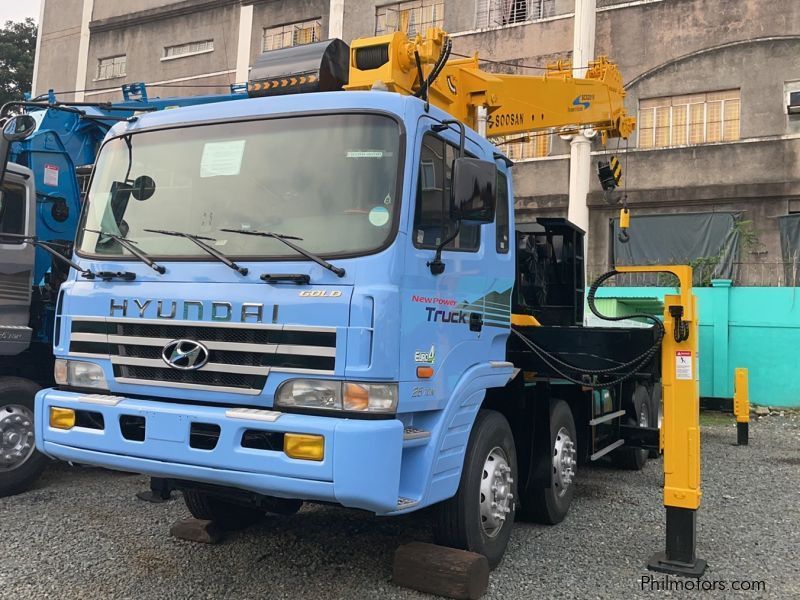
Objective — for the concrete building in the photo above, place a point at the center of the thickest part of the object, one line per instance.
(709, 80)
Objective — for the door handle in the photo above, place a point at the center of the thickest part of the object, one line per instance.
(475, 321)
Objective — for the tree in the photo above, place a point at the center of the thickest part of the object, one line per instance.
(17, 52)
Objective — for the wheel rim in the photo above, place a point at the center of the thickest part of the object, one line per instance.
(644, 416)
(16, 436)
(497, 496)
(564, 461)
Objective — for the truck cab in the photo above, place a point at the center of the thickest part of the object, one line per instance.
(280, 376)
(18, 218)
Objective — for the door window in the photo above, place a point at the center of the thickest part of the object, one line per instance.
(501, 214)
(432, 221)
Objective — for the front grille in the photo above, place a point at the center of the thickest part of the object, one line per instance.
(240, 356)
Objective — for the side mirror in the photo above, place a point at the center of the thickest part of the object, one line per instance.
(15, 129)
(474, 192)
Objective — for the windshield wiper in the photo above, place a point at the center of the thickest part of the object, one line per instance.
(130, 247)
(285, 239)
(48, 247)
(198, 240)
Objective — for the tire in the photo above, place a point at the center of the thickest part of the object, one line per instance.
(467, 521)
(551, 505)
(655, 413)
(20, 463)
(228, 515)
(638, 409)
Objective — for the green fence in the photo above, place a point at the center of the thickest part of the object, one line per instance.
(753, 327)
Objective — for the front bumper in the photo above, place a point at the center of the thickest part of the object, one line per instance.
(360, 468)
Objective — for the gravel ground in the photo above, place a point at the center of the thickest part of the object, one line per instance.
(82, 534)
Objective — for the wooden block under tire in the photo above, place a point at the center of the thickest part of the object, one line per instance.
(197, 530)
(441, 571)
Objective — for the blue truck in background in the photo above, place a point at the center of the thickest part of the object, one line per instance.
(323, 297)
(49, 167)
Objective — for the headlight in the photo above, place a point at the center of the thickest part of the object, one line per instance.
(76, 373)
(323, 394)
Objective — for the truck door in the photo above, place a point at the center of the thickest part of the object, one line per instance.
(459, 318)
(16, 264)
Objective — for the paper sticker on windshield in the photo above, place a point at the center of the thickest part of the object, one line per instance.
(365, 154)
(379, 216)
(222, 159)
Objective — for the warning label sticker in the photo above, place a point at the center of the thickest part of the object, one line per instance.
(51, 175)
(683, 364)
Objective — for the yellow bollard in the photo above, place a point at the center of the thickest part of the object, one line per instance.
(741, 406)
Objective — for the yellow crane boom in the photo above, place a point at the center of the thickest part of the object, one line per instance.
(515, 104)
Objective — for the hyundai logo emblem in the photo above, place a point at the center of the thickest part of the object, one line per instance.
(186, 355)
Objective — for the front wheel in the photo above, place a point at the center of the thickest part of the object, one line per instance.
(20, 462)
(227, 515)
(479, 518)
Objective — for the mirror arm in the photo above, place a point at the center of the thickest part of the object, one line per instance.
(437, 265)
(462, 140)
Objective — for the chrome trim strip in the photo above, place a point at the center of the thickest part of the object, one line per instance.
(253, 414)
(215, 367)
(102, 338)
(87, 355)
(303, 371)
(500, 364)
(231, 324)
(305, 350)
(189, 386)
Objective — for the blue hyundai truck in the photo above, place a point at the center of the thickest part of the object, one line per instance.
(322, 297)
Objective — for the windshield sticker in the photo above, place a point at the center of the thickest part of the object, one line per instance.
(222, 159)
(379, 216)
(365, 154)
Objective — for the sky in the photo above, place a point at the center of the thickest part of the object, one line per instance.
(17, 10)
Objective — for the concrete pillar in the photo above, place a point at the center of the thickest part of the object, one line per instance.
(83, 50)
(245, 42)
(580, 147)
(38, 49)
(336, 20)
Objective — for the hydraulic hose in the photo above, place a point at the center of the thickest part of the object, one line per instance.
(565, 369)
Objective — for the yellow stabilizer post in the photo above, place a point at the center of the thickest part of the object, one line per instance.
(741, 406)
(681, 424)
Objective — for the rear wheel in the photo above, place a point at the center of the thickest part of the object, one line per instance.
(638, 409)
(551, 505)
(479, 518)
(20, 462)
(228, 515)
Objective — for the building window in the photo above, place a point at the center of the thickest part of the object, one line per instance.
(115, 66)
(411, 17)
(293, 34)
(188, 49)
(496, 13)
(689, 119)
(537, 145)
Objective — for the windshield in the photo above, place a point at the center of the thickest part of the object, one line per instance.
(328, 180)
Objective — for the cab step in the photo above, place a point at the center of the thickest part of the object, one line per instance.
(404, 503)
(606, 450)
(413, 436)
